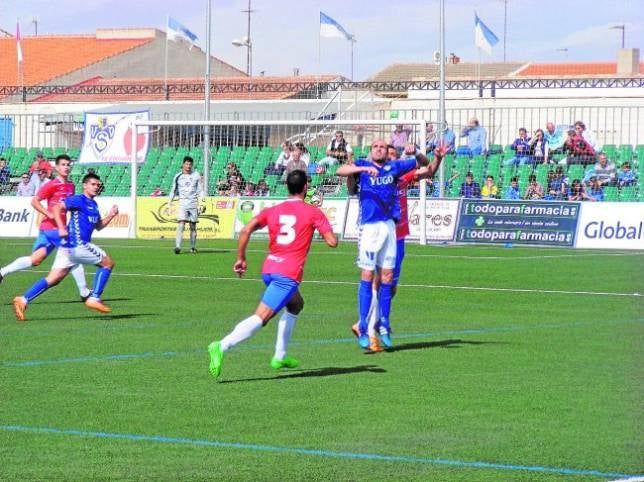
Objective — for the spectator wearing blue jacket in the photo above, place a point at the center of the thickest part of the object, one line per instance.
(512, 191)
(521, 148)
(470, 189)
(476, 137)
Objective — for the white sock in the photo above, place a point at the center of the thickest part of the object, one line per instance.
(284, 330)
(179, 236)
(374, 314)
(78, 272)
(242, 331)
(23, 262)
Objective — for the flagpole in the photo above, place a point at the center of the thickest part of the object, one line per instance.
(165, 72)
(206, 137)
(319, 61)
(352, 40)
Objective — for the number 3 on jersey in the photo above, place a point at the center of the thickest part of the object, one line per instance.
(287, 233)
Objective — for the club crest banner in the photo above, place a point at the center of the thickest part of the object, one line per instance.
(108, 137)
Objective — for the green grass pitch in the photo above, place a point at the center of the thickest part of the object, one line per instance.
(519, 364)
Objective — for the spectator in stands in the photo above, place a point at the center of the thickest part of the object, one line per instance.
(5, 176)
(400, 138)
(262, 188)
(25, 187)
(278, 167)
(234, 190)
(413, 190)
(489, 190)
(520, 146)
(512, 191)
(580, 128)
(296, 163)
(576, 192)
(578, 149)
(39, 177)
(596, 191)
(338, 151)
(534, 190)
(557, 187)
(449, 139)
(233, 176)
(470, 189)
(538, 148)
(157, 192)
(476, 137)
(604, 170)
(433, 186)
(249, 190)
(626, 177)
(431, 137)
(42, 163)
(555, 138)
(305, 156)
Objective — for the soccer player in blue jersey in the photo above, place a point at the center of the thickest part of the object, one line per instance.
(76, 247)
(379, 212)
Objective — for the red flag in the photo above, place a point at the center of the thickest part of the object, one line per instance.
(18, 43)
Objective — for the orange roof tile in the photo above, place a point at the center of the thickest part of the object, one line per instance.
(572, 69)
(235, 89)
(48, 57)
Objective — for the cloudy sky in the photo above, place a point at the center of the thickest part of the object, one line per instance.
(285, 33)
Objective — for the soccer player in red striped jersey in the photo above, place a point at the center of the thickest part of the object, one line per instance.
(54, 192)
(291, 225)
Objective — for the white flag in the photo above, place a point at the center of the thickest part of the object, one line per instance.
(177, 31)
(484, 38)
(331, 28)
(18, 43)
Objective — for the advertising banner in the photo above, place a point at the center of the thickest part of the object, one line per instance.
(108, 137)
(334, 209)
(16, 217)
(546, 223)
(157, 218)
(442, 215)
(611, 226)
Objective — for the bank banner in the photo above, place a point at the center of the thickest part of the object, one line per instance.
(108, 137)
(16, 217)
(545, 223)
(442, 215)
(157, 218)
(334, 209)
(611, 226)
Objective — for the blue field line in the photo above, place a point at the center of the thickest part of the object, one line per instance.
(312, 452)
(333, 341)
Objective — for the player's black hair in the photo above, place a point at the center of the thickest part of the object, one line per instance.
(61, 157)
(189, 159)
(89, 176)
(296, 181)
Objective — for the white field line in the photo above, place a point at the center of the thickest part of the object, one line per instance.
(353, 253)
(353, 283)
(630, 479)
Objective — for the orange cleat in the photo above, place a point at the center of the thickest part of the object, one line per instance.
(374, 345)
(355, 329)
(19, 307)
(97, 305)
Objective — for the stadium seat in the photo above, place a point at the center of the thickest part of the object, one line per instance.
(611, 194)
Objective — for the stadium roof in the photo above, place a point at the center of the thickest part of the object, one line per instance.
(225, 88)
(585, 69)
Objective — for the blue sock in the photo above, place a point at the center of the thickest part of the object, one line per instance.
(38, 288)
(100, 280)
(384, 297)
(364, 303)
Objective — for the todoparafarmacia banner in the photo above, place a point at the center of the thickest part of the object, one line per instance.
(108, 137)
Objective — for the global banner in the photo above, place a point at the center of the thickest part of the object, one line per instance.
(157, 218)
(544, 223)
(108, 137)
(611, 226)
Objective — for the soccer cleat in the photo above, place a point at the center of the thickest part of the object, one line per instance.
(1, 277)
(19, 307)
(177, 250)
(363, 341)
(193, 250)
(374, 345)
(216, 358)
(286, 362)
(97, 305)
(386, 340)
(85, 298)
(355, 329)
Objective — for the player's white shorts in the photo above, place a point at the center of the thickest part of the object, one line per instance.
(377, 245)
(87, 253)
(187, 214)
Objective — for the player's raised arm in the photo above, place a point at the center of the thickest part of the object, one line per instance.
(430, 169)
(351, 169)
(107, 219)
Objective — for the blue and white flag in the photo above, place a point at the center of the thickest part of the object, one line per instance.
(331, 28)
(484, 38)
(177, 31)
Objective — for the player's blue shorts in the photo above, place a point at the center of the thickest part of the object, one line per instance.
(400, 255)
(48, 239)
(279, 290)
